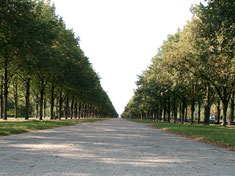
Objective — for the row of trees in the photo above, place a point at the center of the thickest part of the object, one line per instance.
(195, 67)
(42, 63)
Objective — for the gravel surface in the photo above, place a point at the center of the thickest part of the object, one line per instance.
(111, 148)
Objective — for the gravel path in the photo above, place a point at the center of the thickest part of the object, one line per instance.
(111, 148)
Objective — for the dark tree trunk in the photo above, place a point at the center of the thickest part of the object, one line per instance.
(207, 106)
(52, 101)
(67, 106)
(79, 110)
(5, 92)
(199, 112)
(157, 111)
(192, 106)
(76, 109)
(27, 95)
(183, 113)
(174, 110)
(56, 108)
(232, 110)
(160, 113)
(225, 100)
(86, 111)
(183, 110)
(83, 110)
(1, 97)
(96, 113)
(149, 115)
(44, 106)
(169, 110)
(225, 107)
(41, 99)
(218, 112)
(164, 113)
(71, 108)
(16, 101)
(186, 113)
(37, 110)
(180, 111)
(60, 105)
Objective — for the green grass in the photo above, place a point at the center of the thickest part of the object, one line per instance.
(16, 127)
(214, 134)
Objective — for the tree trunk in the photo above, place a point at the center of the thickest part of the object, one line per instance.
(180, 112)
(16, 100)
(186, 113)
(27, 95)
(192, 111)
(1, 97)
(157, 111)
(232, 110)
(41, 99)
(86, 111)
(225, 101)
(192, 106)
(199, 112)
(160, 113)
(225, 107)
(183, 110)
(52, 101)
(71, 108)
(5, 92)
(67, 106)
(169, 109)
(56, 109)
(218, 112)
(164, 114)
(60, 105)
(76, 109)
(37, 110)
(96, 112)
(174, 110)
(207, 106)
(79, 110)
(44, 106)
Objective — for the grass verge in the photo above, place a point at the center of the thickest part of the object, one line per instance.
(14, 127)
(212, 134)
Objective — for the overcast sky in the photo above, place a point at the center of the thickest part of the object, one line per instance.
(120, 37)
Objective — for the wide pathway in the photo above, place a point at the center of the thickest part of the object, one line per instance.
(111, 148)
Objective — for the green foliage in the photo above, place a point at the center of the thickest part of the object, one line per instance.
(21, 111)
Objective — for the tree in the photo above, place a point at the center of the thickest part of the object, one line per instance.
(217, 58)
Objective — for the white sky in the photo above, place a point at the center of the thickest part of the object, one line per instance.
(120, 37)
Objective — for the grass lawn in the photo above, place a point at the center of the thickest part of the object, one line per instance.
(213, 134)
(16, 127)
